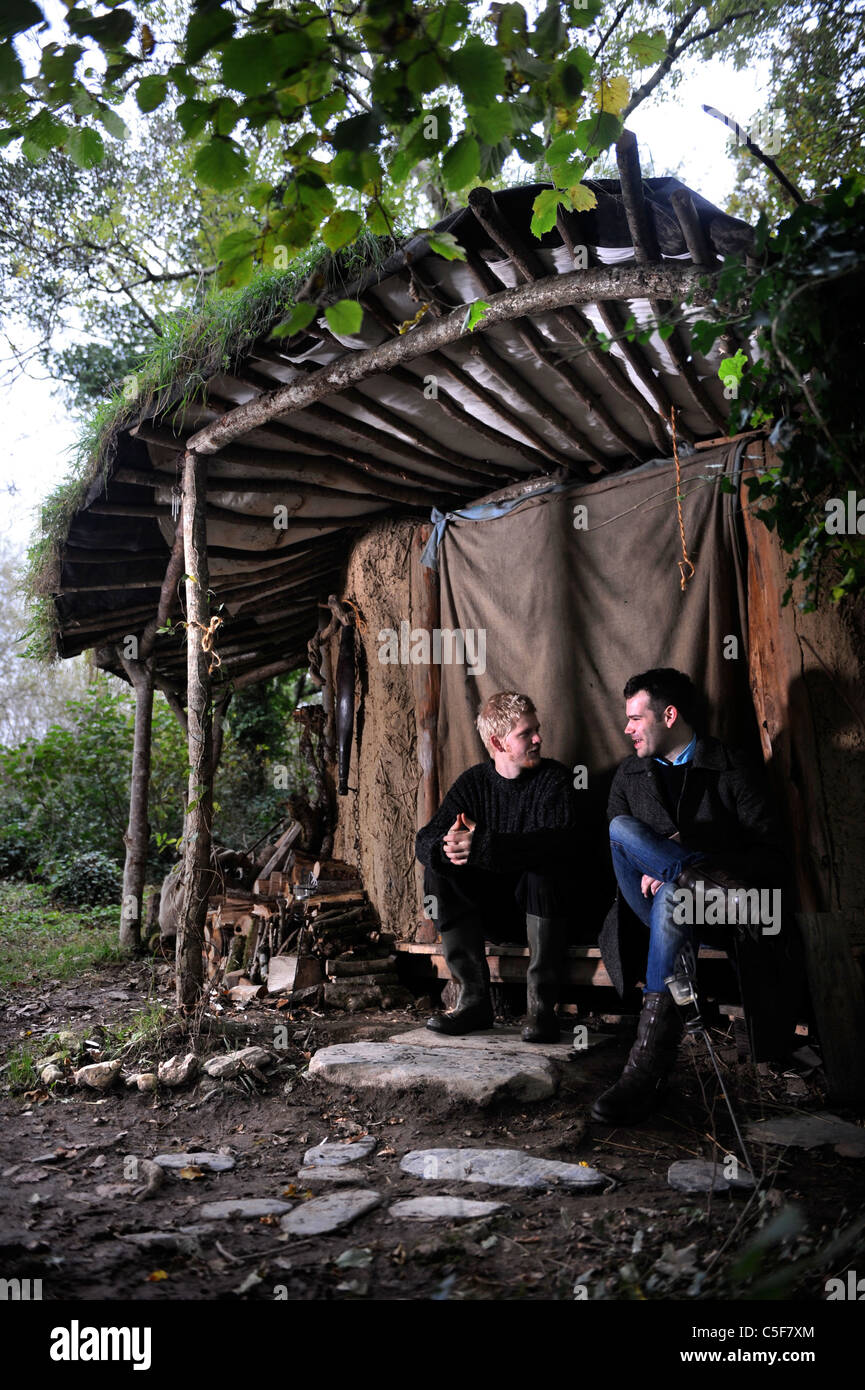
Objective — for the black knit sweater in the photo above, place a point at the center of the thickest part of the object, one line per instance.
(526, 822)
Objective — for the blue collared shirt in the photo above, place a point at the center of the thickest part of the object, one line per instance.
(684, 757)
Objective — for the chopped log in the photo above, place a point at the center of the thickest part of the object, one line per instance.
(640, 225)
(283, 844)
(692, 228)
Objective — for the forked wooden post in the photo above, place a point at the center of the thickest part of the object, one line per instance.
(199, 810)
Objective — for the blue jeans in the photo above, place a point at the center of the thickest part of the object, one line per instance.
(637, 850)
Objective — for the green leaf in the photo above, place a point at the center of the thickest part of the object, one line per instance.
(666, 330)
(341, 229)
(84, 147)
(192, 116)
(17, 16)
(511, 28)
(112, 122)
(731, 368)
(598, 132)
(493, 123)
(445, 22)
(647, 47)
(376, 220)
(58, 64)
(257, 62)
(479, 72)
(300, 317)
(344, 318)
(205, 30)
(562, 148)
(582, 198)
(221, 163)
(183, 80)
(351, 169)
(544, 210)
(425, 74)
(461, 163)
(151, 92)
(226, 114)
(549, 35)
(474, 314)
(111, 31)
(357, 133)
(45, 132)
(445, 244)
(11, 71)
(584, 14)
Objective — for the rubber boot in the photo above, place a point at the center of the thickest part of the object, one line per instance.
(652, 1058)
(547, 942)
(463, 947)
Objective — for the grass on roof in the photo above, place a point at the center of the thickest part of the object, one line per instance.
(195, 345)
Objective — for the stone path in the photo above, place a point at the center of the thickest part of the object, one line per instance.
(501, 1168)
(480, 1075)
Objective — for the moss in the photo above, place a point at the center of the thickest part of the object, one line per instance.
(194, 345)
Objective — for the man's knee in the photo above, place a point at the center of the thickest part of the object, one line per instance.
(625, 830)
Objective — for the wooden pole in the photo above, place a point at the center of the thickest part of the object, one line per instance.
(427, 680)
(137, 834)
(199, 811)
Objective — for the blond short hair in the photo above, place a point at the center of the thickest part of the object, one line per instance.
(501, 713)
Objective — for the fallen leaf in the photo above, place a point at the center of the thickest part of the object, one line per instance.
(290, 1191)
(191, 1171)
(157, 1276)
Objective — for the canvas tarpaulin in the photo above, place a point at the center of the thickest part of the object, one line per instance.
(569, 612)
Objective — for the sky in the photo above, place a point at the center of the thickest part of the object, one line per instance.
(674, 135)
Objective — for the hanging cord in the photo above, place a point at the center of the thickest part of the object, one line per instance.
(208, 634)
(686, 559)
(358, 620)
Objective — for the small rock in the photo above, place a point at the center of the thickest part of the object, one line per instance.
(53, 1059)
(328, 1213)
(244, 994)
(352, 996)
(50, 1074)
(331, 1153)
(443, 1209)
(99, 1076)
(231, 1063)
(243, 1206)
(807, 1131)
(68, 1041)
(211, 1163)
(178, 1070)
(702, 1175)
(146, 1081)
(500, 1168)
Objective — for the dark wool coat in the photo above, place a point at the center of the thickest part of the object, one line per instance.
(724, 811)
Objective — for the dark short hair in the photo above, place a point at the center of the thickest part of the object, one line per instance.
(666, 686)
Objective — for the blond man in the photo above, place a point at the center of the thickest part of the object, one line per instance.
(499, 860)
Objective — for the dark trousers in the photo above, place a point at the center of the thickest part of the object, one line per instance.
(497, 903)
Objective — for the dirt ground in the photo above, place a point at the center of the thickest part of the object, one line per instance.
(69, 1203)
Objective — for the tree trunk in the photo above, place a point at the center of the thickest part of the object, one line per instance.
(138, 833)
(199, 812)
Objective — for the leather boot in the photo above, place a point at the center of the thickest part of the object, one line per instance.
(463, 947)
(652, 1058)
(547, 942)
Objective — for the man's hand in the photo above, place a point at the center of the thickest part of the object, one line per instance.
(650, 885)
(457, 842)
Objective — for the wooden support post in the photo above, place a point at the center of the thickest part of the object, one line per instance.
(196, 876)
(692, 229)
(427, 679)
(138, 831)
(835, 986)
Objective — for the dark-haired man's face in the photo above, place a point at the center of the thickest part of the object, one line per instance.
(652, 734)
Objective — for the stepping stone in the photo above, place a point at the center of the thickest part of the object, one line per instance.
(211, 1163)
(472, 1074)
(243, 1206)
(328, 1175)
(499, 1042)
(336, 1153)
(702, 1175)
(231, 1063)
(809, 1132)
(444, 1209)
(323, 1214)
(500, 1168)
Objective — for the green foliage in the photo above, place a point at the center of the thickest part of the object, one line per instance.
(805, 304)
(44, 942)
(84, 879)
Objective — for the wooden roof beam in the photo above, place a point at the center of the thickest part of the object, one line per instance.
(483, 205)
(577, 287)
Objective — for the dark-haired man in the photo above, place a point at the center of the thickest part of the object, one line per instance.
(499, 856)
(685, 813)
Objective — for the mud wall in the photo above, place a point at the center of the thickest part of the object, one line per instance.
(378, 818)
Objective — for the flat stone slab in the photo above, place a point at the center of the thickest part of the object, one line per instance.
(328, 1213)
(472, 1074)
(243, 1206)
(330, 1175)
(809, 1132)
(702, 1175)
(337, 1152)
(444, 1209)
(503, 1042)
(500, 1168)
(211, 1163)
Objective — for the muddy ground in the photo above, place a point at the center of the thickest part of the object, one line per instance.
(68, 1200)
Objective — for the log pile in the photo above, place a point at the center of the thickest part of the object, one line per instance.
(305, 929)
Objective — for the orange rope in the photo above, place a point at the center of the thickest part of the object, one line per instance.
(209, 633)
(358, 620)
(686, 559)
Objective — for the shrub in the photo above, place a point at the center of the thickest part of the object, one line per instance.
(87, 878)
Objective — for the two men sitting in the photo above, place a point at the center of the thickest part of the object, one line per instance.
(500, 856)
